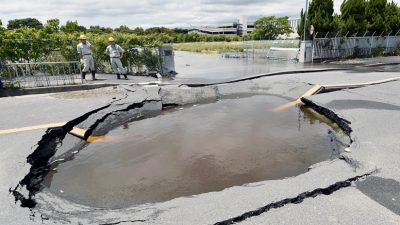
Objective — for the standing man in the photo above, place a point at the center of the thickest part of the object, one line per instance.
(116, 53)
(85, 52)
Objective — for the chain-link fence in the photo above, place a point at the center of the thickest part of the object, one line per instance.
(343, 45)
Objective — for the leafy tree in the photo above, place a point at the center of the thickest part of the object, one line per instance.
(336, 23)
(300, 27)
(26, 44)
(353, 15)
(270, 27)
(138, 31)
(1, 27)
(375, 15)
(52, 26)
(24, 23)
(123, 29)
(392, 17)
(72, 27)
(320, 15)
(158, 30)
(99, 30)
(180, 31)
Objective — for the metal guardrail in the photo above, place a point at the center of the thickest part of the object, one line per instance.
(42, 74)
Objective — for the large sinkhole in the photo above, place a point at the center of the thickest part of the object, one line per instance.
(195, 150)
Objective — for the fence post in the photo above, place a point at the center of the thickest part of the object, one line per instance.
(370, 45)
(387, 41)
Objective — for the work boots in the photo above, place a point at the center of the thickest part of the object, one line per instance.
(83, 75)
(119, 76)
(94, 75)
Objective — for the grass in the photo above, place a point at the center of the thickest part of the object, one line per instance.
(239, 46)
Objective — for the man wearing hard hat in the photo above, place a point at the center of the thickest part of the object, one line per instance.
(84, 49)
(116, 53)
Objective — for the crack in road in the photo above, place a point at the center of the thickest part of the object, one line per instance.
(341, 122)
(47, 148)
(296, 200)
(261, 76)
(102, 119)
(124, 221)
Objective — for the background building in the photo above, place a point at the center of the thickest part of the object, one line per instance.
(294, 23)
(240, 27)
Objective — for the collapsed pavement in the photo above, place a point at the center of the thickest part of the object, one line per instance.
(257, 202)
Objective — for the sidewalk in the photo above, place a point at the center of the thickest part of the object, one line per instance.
(103, 80)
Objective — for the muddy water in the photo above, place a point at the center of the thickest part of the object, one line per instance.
(195, 150)
(197, 67)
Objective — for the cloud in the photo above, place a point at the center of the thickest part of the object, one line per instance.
(146, 13)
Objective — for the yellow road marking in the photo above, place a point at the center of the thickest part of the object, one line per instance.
(92, 139)
(78, 132)
(362, 84)
(96, 139)
(310, 92)
(81, 132)
(37, 127)
(317, 87)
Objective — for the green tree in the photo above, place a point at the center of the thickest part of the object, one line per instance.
(270, 27)
(320, 15)
(26, 44)
(336, 23)
(392, 17)
(123, 29)
(72, 27)
(52, 26)
(375, 15)
(158, 30)
(138, 31)
(180, 31)
(1, 27)
(99, 30)
(24, 23)
(353, 15)
(300, 27)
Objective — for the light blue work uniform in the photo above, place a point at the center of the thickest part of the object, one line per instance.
(115, 51)
(87, 57)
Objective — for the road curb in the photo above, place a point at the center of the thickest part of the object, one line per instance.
(55, 89)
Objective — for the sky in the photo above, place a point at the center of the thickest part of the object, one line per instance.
(149, 13)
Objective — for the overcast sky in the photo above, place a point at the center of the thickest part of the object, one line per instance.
(147, 13)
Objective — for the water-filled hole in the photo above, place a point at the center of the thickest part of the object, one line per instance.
(195, 150)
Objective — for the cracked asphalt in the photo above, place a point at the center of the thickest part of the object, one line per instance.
(362, 187)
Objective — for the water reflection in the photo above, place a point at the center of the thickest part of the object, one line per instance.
(197, 67)
(195, 150)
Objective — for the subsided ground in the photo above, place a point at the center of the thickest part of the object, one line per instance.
(362, 187)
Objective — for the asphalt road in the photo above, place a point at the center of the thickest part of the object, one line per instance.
(360, 188)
